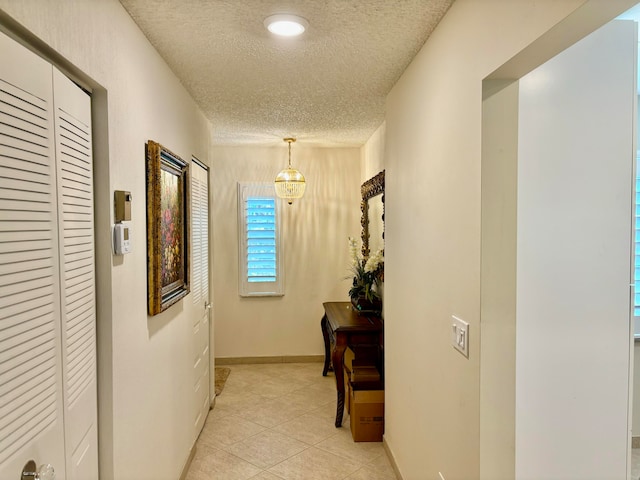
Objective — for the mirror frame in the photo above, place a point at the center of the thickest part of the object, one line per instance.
(369, 189)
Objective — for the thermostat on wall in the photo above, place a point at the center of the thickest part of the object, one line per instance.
(121, 239)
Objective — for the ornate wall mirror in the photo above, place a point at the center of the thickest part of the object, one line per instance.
(372, 221)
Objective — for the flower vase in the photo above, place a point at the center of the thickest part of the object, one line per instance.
(362, 305)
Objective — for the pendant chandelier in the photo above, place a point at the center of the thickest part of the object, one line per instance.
(290, 183)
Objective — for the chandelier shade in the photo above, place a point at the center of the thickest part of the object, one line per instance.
(290, 183)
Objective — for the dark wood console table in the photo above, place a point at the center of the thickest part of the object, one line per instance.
(342, 327)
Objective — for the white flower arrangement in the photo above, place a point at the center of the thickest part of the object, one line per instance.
(374, 261)
(367, 275)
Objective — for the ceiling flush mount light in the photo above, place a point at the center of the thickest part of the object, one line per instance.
(286, 25)
(290, 183)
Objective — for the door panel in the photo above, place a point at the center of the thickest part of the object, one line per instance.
(31, 418)
(76, 239)
(200, 290)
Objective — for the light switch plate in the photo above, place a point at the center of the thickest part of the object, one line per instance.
(460, 335)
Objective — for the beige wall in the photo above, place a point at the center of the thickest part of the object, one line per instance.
(372, 154)
(145, 387)
(315, 232)
(432, 268)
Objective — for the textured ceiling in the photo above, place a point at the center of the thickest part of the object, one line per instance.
(327, 87)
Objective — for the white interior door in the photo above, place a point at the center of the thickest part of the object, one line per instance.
(31, 412)
(574, 221)
(200, 290)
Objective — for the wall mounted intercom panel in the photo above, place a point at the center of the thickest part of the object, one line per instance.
(122, 201)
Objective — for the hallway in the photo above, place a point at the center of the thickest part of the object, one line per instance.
(274, 422)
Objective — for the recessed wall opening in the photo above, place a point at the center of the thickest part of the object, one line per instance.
(557, 185)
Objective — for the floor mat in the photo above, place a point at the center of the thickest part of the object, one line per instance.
(221, 377)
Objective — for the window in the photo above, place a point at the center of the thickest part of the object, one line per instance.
(259, 250)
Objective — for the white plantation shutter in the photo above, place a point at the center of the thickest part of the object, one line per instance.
(31, 419)
(259, 249)
(262, 254)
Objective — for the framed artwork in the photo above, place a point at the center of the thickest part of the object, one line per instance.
(167, 228)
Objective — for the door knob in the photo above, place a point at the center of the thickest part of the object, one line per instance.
(44, 472)
(207, 305)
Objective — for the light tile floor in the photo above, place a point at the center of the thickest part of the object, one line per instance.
(275, 422)
(635, 463)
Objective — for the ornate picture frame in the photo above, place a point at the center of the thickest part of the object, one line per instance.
(168, 228)
(370, 189)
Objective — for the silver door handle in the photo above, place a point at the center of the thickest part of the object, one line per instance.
(207, 305)
(44, 472)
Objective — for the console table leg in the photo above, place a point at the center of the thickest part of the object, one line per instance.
(340, 409)
(337, 358)
(327, 358)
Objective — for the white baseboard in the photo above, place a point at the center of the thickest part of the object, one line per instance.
(187, 465)
(392, 459)
(220, 361)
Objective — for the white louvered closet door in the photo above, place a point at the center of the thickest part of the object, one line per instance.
(47, 313)
(31, 413)
(200, 290)
(77, 277)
